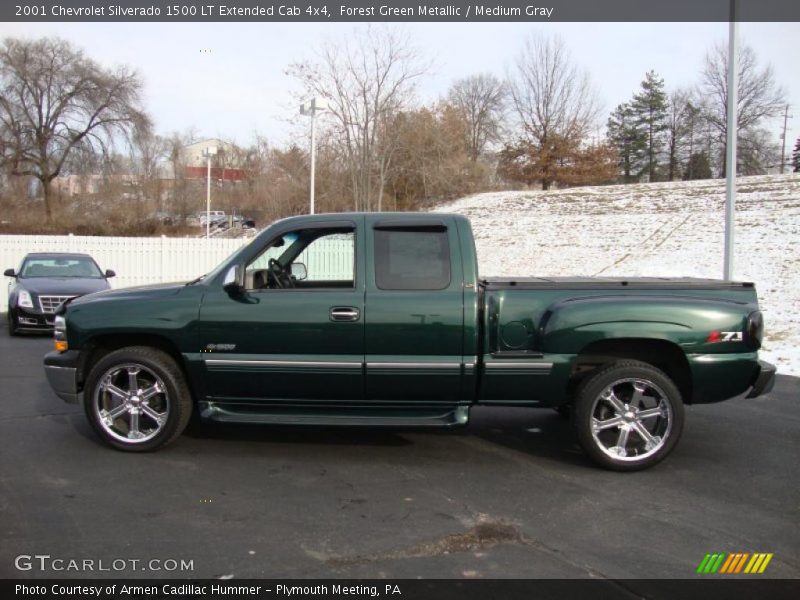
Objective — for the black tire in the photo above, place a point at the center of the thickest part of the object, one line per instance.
(162, 379)
(602, 421)
(12, 324)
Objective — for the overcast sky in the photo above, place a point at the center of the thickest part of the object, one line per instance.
(240, 86)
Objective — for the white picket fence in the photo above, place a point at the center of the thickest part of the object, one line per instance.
(137, 261)
(141, 261)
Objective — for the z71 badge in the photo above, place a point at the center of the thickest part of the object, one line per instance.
(725, 336)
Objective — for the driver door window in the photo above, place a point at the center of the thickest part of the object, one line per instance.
(307, 259)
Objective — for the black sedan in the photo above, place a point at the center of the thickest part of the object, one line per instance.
(44, 281)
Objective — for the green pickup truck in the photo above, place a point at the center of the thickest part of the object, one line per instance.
(382, 320)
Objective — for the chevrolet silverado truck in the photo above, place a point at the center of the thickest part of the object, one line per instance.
(383, 320)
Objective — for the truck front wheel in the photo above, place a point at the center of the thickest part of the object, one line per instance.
(136, 399)
(628, 415)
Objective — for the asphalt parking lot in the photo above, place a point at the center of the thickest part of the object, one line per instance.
(510, 496)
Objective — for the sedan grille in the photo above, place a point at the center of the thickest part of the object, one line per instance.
(49, 304)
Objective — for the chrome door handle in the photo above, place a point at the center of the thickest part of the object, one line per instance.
(344, 313)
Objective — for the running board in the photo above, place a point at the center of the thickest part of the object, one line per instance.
(345, 416)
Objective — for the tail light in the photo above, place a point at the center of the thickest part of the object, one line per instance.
(754, 330)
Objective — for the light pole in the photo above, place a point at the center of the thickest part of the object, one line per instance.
(732, 126)
(209, 152)
(311, 108)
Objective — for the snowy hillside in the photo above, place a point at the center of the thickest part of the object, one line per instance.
(660, 229)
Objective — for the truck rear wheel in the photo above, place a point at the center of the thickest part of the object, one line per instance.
(628, 416)
(136, 399)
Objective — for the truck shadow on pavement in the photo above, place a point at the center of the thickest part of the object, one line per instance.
(295, 434)
(521, 434)
(528, 433)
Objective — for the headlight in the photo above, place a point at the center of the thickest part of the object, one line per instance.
(24, 299)
(60, 333)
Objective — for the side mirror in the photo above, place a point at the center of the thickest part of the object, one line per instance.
(298, 271)
(10, 273)
(234, 280)
(110, 274)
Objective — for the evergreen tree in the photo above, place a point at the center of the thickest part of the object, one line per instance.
(693, 122)
(649, 108)
(676, 136)
(796, 157)
(628, 140)
(698, 167)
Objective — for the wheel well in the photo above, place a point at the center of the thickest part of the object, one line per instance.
(662, 354)
(97, 347)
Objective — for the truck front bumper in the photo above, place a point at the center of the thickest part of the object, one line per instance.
(61, 369)
(764, 381)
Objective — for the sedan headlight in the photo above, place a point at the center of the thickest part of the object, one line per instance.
(60, 333)
(24, 299)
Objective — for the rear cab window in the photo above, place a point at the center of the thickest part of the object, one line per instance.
(412, 258)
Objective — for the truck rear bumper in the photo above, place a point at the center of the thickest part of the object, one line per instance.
(61, 369)
(764, 381)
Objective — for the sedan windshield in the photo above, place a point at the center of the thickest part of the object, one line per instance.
(60, 267)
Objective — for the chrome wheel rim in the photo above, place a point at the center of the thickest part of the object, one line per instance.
(131, 403)
(631, 419)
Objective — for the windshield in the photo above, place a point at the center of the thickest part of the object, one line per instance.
(74, 266)
(216, 270)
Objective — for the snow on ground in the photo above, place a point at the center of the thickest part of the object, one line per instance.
(659, 229)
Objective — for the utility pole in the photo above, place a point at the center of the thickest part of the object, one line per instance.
(209, 153)
(730, 150)
(311, 109)
(313, 159)
(786, 117)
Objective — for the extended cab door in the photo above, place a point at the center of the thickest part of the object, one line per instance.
(297, 330)
(414, 309)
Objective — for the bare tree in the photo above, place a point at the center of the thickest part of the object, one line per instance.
(759, 96)
(148, 152)
(53, 99)
(366, 79)
(757, 152)
(678, 122)
(694, 121)
(482, 99)
(174, 153)
(554, 100)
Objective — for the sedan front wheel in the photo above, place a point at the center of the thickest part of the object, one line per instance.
(12, 324)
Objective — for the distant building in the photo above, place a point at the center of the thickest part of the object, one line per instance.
(76, 185)
(226, 165)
